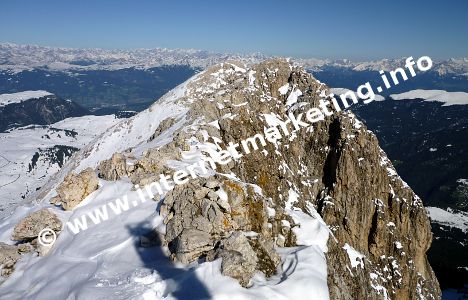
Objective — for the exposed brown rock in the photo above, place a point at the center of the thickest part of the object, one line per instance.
(338, 167)
(163, 126)
(239, 258)
(206, 218)
(9, 255)
(113, 168)
(29, 228)
(147, 169)
(75, 188)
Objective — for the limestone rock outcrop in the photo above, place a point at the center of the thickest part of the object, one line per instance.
(75, 188)
(238, 258)
(9, 255)
(26, 233)
(29, 228)
(113, 168)
(214, 218)
(335, 165)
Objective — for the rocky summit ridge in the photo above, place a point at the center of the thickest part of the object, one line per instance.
(328, 189)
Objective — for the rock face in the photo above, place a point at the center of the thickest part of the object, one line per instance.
(146, 169)
(29, 228)
(379, 231)
(10, 254)
(75, 188)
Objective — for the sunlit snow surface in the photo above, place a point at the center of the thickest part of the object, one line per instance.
(448, 217)
(6, 99)
(107, 261)
(18, 146)
(448, 98)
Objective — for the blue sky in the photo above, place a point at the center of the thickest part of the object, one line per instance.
(324, 29)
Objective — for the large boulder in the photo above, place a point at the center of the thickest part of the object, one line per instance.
(30, 227)
(9, 255)
(113, 168)
(191, 244)
(239, 260)
(219, 218)
(75, 188)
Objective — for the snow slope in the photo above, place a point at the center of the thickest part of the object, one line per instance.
(6, 99)
(19, 176)
(448, 98)
(107, 261)
(448, 218)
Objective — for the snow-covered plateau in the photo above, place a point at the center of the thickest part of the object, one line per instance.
(6, 99)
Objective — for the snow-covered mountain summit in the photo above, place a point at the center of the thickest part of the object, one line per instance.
(308, 212)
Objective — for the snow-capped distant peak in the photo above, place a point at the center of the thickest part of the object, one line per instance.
(448, 98)
(6, 99)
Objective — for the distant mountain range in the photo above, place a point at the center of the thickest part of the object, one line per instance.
(452, 66)
(21, 57)
(107, 81)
